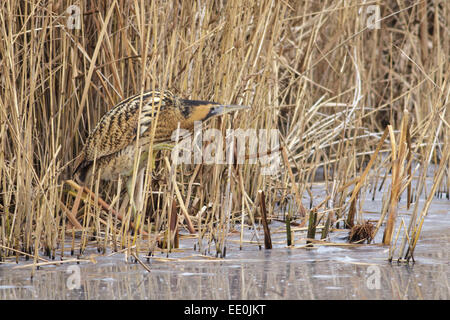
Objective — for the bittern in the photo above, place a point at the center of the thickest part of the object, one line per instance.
(112, 143)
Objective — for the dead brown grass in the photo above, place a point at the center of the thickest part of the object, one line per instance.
(313, 70)
(362, 232)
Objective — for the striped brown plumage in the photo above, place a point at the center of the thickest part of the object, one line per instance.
(112, 143)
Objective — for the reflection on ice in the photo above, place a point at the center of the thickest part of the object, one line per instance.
(325, 272)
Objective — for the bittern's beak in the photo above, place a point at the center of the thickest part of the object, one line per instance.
(222, 109)
(202, 110)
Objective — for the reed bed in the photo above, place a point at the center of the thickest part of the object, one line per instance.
(356, 107)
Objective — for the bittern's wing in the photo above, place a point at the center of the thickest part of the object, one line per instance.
(118, 128)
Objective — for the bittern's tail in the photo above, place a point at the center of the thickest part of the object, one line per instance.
(222, 109)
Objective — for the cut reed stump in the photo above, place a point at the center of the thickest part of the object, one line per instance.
(173, 226)
(312, 226)
(326, 228)
(267, 237)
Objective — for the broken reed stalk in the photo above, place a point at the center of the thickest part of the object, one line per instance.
(399, 172)
(173, 240)
(174, 226)
(392, 212)
(298, 197)
(70, 214)
(312, 224)
(352, 212)
(144, 265)
(267, 237)
(326, 228)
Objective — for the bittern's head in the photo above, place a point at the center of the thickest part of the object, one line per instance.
(195, 110)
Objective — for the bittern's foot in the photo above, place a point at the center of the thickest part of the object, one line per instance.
(159, 147)
(163, 146)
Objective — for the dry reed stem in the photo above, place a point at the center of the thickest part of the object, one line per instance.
(180, 200)
(301, 209)
(398, 174)
(93, 197)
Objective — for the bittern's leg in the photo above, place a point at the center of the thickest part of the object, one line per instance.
(137, 201)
